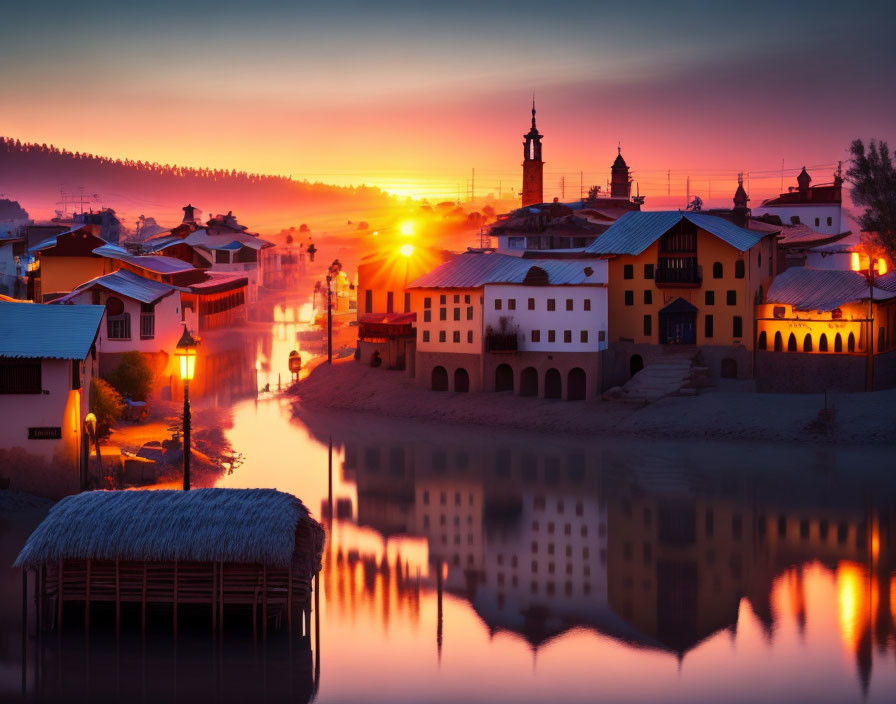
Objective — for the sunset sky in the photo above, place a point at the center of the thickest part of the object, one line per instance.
(412, 96)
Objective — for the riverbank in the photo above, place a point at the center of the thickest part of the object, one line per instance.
(858, 419)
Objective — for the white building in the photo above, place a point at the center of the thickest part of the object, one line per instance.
(819, 207)
(493, 322)
(46, 367)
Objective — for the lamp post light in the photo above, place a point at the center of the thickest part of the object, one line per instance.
(90, 427)
(186, 353)
(869, 267)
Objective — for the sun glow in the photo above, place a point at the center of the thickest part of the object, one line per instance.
(406, 250)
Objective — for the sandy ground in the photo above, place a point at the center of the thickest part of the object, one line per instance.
(859, 419)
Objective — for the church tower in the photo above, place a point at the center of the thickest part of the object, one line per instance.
(620, 181)
(533, 166)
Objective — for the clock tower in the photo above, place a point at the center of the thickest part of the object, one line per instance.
(533, 166)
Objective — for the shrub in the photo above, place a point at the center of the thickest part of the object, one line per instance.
(106, 404)
(133, 377)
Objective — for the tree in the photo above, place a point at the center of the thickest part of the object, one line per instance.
(106, 405)
(132, 377)
(873, 181)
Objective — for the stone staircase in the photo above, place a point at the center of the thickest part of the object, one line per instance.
(672, 373)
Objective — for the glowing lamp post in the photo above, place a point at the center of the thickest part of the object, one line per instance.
(90, 428)
(186, 353)
(869, 267)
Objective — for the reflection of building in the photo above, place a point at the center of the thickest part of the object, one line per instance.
(449, 513)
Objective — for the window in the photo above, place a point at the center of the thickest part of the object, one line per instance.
(739, 269)
(368, 301)
(455, 336)
(427, 316)
(457, 313)
(791, 343)
(738, 330)
(629, 298)
(531, 304)
(497, 304)
(20, 376)
(567, 336)
(442, 299)
(709, 298)
(648, 297)
(222, 257)
(552, 335)
(587, 303)
(628, 271)
(441, 336)
(469, 312)
(817, 222)
(583, 336)
(731, 298)
(76, 375)
(807, 343)
(426, 335)
(427, 303)
(830, 221)
(648, 325)
(443, 314)
(457, 298)
(648, 271)
(470, 336)
(390, 302)
(466, 298)
(118, 327)
(794, 219)
(511, 304)
(407, 302)
(536, 336)
(707, 326)
(717, 270)
(569, 304)
(147, 321)
(552, 304)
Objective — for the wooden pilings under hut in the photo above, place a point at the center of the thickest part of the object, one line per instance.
(222, 552)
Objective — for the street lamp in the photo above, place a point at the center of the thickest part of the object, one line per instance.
(186, 353)
(90, 428)
(869, 267)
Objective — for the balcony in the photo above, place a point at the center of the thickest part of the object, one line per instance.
(681, 271)
(501, 342)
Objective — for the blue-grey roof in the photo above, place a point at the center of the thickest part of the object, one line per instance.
(637, 230)
(125, 283)
(474, 269)
(111, 251)
(821, 289)
(46, 331)
(159, 263)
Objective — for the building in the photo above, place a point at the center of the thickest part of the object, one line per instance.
(13, 264)
(47, 362)
(813, 332)
(683, 281)
(110, 227)
(141, 315)
(819, 207)
(493, 322)
(533, 166)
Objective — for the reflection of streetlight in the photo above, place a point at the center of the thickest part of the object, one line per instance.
(868, 266)
(186, 352)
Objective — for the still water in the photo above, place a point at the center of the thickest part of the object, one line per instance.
(471, 565)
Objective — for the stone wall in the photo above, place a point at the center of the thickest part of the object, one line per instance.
(803, 372)
(451, 361)
(541, 362)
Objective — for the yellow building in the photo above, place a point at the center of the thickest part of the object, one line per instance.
(64, 262)
(813, 332)
(683, 280)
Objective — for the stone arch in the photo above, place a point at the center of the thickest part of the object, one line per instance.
(576, 384)
(529, 382)
(761, 344)
(553, 384)
(807, 342)
(838, 343)
(635, 364)
(791, 343)
(504, 378)
(729, 368)
(439, 379)
(461, 380)
(823, 343)
(779, 342)
(851, 343)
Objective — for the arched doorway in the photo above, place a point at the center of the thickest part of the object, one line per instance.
(807, 343)
(553, 384)
(461, 380)
(791, 343)
(439, 379)
(779, 343)
(838, 343)
(851, 343)
(823, 343)
(576, 384)
(635, 364)
(504, 378)
(529, 382)
(729, 368)
(761, 344)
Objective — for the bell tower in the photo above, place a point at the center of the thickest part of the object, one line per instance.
(533, 166)
(620, 180)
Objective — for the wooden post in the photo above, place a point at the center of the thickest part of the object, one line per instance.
(264, 603)
(143, 604)
(175, 600)
(87, 602)
(59, 574)
(117, 600)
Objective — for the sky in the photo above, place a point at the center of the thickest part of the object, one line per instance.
(414, 96)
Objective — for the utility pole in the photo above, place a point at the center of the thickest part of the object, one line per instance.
(581, 185)
(329, 320)
(687, 194)
(563, 188)
(782, 175)
(473, 187)
(669, 182)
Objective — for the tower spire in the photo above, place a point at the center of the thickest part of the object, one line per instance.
(533, 111)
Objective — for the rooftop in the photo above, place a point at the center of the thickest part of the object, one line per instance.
(637, 230)
(822, 289)
(125, 283)
(30, 330)
(256, 526)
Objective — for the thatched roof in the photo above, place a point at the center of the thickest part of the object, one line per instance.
(204, 525)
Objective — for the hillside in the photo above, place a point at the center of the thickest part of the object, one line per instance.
(34, 174)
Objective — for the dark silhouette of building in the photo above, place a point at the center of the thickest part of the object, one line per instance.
(533, 166)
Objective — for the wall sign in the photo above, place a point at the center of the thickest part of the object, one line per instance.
(44, 433)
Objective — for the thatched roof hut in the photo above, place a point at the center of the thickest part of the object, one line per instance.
(230, 546)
